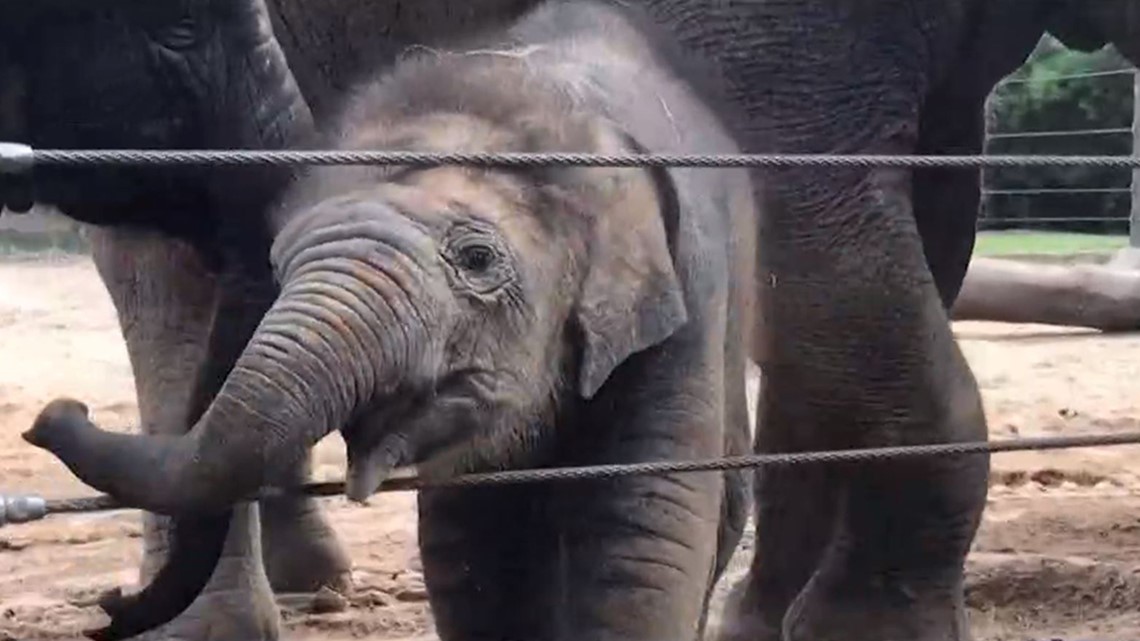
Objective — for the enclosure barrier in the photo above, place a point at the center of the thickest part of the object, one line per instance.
(18, 159)
(21, 509)
(1091, 130)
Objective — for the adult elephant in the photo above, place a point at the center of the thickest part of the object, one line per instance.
(183, 253)
(858, 268)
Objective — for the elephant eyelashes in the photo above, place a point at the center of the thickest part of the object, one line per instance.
(477, 260)
(181, 35)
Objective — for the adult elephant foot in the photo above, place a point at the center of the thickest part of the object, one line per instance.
(237, 603)
(894, 564)
(302, 552)
(219, 616)
(876, 548)
(831, 607)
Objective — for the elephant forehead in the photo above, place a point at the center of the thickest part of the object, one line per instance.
(445, 193)
(438, 131)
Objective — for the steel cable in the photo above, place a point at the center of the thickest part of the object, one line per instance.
(19, 161)
(608, 472)
(16, 158)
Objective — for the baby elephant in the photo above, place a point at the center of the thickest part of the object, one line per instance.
(467, 319)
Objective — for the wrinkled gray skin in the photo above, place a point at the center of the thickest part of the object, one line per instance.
(200, 73)
(471, 320)
(877, 253)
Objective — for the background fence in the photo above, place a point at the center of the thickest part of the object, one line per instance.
(1063, 102)
(42, 229)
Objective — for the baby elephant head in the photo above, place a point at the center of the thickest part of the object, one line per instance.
(454, 310)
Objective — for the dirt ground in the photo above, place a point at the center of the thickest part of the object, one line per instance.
(1058, 555)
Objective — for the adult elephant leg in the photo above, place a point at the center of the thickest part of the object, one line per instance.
(854, 341)
(858, 353)
(861, 354)
(946, 200)
(165, 298)
(301, 550)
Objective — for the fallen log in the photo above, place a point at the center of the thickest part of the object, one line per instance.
(1096, 296)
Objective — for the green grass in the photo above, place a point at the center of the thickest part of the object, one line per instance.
(1000, 243)
(16, 244)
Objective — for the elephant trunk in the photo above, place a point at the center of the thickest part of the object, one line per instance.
(315, 359)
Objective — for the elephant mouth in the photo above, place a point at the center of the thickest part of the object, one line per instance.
(375, 453)
(430, 435)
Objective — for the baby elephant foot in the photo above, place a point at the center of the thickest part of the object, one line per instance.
(884, 609)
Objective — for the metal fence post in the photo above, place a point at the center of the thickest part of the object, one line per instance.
(988, 118)
(1134, 212)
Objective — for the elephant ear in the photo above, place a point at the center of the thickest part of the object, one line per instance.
(631, 297)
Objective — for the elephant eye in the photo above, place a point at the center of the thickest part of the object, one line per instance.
(178, 35)
(480, 264)
(477, 258)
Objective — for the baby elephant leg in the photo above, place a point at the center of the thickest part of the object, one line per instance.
(302, 552)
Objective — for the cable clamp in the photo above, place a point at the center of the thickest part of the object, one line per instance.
(16, 158)
(21, 509)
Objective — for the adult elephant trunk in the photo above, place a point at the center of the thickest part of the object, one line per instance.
(315, 359)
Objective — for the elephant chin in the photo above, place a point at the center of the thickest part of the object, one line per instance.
(369, 467)
(362, 481)
(379, 449)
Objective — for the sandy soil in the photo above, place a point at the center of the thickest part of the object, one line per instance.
(1058, 554)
